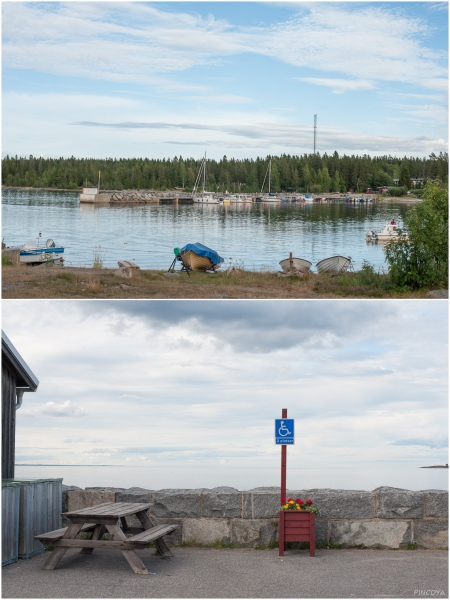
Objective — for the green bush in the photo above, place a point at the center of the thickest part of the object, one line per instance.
(422, 259)
(397, 191)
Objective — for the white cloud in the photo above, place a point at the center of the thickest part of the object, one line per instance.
(339, 86)
(53, 409)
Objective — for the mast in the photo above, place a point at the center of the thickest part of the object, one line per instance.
(270, 172)
(204, 173)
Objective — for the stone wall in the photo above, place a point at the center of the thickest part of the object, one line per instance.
(384, 518)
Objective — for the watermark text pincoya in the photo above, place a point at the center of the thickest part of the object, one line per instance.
(436, 593)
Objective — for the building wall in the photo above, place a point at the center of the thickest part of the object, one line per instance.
(383, 518)
(8, 420)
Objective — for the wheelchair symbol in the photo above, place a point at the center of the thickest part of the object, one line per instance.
(283, 431)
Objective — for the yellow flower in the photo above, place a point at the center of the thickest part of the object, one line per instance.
(286, 506)
(291, 502)
(297, 506)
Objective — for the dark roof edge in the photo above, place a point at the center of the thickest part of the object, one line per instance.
(11, 353)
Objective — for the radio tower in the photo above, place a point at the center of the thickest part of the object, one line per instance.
(315, 132)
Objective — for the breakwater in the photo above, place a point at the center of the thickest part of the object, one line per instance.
(383, 518)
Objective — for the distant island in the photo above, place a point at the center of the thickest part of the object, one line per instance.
(436, 467)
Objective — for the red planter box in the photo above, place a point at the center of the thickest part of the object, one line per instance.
(296, 526)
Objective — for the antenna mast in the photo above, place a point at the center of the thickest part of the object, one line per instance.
(315, 132)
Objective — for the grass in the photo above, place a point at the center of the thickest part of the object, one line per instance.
(79, 282)
(99, 256)
(6, 261)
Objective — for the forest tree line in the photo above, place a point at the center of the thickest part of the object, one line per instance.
(313, 173)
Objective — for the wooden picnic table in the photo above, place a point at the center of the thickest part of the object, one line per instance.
(110, 517)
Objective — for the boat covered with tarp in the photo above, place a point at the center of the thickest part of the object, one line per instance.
(200, 258)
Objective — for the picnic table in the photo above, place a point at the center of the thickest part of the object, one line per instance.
(110, 517)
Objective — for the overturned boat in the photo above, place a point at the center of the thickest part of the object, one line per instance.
(334, 264)
(295, 264)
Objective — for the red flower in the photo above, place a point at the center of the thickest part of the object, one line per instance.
(290, 500)
(301, 502)
(297, 500)
(283, 500)
(309, 502)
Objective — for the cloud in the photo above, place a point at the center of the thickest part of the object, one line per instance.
(421, 442)
(339, 86)
(52, 409)
(133, 41)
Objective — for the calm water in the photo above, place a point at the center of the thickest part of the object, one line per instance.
(242, 478)
(259, 236)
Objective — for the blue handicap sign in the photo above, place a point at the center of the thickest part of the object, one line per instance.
(284, 431)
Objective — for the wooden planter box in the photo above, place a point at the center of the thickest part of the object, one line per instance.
(296, 526)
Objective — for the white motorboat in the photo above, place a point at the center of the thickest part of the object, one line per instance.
(334, 264)
(237, 198)
(298, 264)
(388, 233)
(33, 253)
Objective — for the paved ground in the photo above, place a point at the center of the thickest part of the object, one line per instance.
(234, 573)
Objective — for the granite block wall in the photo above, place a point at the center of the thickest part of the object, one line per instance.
(383, 518)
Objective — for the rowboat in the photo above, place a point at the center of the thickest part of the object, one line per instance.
(334, 264)
(298, 264)
(198, 257)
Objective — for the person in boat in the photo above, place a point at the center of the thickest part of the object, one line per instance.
(393, 223)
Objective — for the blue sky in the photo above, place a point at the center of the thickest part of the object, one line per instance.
(191, 384)
(237, 78)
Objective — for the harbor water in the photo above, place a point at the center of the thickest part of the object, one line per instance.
(252, 236)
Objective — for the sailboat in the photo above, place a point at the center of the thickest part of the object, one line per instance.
(204, 197)
(268, 197)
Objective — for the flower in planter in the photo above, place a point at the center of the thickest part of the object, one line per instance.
(299, 504)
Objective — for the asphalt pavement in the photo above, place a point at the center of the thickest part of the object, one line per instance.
(234, 573)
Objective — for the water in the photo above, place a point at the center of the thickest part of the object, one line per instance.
(242, 478)
(259, 236)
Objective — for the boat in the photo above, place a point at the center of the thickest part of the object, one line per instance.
(204, 197)
(198, 257)
(269, 197)
(237, 198)
(298, 264)
(32, 253)
(334, 264)
(308, 199)
(388, 233)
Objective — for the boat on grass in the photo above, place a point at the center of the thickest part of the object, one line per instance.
(198, 257)
(298, 264)
(32, 253)
(334, 264)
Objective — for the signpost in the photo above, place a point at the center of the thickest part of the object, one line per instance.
(284, 434)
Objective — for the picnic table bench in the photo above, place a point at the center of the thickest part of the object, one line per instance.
(106, 518)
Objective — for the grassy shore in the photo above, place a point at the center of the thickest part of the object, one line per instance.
(77, 282)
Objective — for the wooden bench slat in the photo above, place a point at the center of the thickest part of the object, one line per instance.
(152, 534)
(58, 533)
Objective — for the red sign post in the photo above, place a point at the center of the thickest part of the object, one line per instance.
(283, 461)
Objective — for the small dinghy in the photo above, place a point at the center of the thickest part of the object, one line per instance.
(388, 233)
(334, 264)
(298, 264)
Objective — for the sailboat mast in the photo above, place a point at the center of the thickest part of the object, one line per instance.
(204, 173)
(270, 172)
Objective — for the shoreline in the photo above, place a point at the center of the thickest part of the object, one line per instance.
(22, 282)
(376, 198)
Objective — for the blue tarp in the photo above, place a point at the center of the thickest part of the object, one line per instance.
(202, 250)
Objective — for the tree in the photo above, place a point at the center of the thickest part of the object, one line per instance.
(422, 259)
(405, 178)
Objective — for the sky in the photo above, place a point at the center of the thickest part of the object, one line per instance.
(241, 79)
(189, 383)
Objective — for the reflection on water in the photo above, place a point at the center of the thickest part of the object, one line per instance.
(258, 235)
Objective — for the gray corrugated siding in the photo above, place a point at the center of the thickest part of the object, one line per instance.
(10, 524)
(40, 511)
(8, 421)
